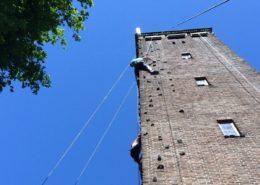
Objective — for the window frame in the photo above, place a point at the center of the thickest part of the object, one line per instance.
(201, 79)
(176, 36)
(153, 38)
(186, 56)
(225, 132)
(199, 34)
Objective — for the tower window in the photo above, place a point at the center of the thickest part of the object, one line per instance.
(199, 34)
(201, 81)
(228, 128)
(186, 56)
(176, 36)
(153, 38)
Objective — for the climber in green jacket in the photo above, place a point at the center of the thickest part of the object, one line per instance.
(139, 64)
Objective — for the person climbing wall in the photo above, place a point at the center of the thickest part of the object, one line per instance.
(139, 64)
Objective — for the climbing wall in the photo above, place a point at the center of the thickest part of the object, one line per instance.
(182, 142)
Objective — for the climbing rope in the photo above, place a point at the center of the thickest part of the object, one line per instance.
(211, 49)
(104, 134)
(83, 128)
(229, 63)
(168, 117)
(201, 13)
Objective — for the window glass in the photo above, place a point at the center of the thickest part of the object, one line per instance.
(201, 81)
(186, 56)
(228, 128)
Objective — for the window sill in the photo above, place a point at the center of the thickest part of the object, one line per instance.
(232, 136)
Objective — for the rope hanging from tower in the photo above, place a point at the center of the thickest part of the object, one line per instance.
(104, 134)
(201, 13)
(83, 128)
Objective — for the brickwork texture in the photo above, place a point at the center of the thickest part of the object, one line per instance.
(182, 142)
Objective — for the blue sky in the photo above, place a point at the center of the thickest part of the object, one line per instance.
(35, 130)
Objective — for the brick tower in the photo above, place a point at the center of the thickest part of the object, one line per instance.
(200, 116)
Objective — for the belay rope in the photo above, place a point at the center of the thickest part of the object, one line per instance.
(160, 84)
(104, 134)
(83, 128)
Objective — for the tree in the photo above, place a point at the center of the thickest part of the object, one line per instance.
(25, 27)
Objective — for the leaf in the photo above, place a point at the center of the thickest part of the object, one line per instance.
(25, 27)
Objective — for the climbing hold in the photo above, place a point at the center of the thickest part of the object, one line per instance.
(147, 120)
(145, 134)
(159, 158)
(160, 166)
(179, 141)
(148, 81)
(167, 147)
(150, 105)
(145, 112)
(182, 153)
(158, 89)
(159, 94)
(154, 179)
(160, 138)
(151, 100)
(152, 124)
(181, 111)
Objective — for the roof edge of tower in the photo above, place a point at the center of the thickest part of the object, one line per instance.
(177, 31)
(168, 33)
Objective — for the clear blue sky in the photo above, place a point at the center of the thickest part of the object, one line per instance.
(35, 130)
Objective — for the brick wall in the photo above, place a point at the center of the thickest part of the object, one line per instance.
(181, 140)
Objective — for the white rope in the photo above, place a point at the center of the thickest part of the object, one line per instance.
(84, 126)
(137, 91)
(158, 56)
(230, 64)
(138, 125)
(104, 134)
(201, 13)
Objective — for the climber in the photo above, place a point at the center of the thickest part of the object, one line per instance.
(138, 64)
(136, 149)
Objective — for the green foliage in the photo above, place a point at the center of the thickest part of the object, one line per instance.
(25, 26)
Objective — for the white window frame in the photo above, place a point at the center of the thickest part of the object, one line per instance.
(199, 34)
(177, 36)
(201, 81)
(232, 131)
(186, 56)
